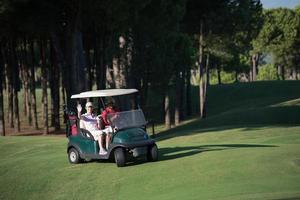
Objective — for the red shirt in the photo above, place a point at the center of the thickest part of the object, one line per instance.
(105, 113)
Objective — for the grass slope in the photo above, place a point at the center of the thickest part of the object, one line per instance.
(248, 148)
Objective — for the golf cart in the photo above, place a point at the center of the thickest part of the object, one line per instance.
(128, 138)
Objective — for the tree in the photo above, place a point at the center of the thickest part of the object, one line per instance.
(183, 59)
(54, 89)
(279, 36)
(44, 84)
(209, 18)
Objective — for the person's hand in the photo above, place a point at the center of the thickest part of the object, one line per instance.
(98, 120)
(79, 108)
(115, 129)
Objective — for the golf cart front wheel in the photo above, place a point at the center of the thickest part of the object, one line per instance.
(152, 153)
(73, 156)
(120, 157)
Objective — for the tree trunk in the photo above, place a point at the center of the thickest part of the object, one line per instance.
(66, 67)
(250, 75)
(98, 59)
(32, 87)
(22, 72)
(201, 74)
(88, 68)
(27, 104)
(177, 99)
(10, 99)
(63, 93)
(2, 122)
(102, 64)
(52, 85)
(119, 70)
(294, 73)
(167, 111)
(16, 110)
(188, 92)
(144, 89)
(123, 66)
(60, 69)
(15, 88)
(54, 88)
(207, 72)
(219, 75)
(116, 72)
(75, 82)
(255, 58)
(280, 72)
(78, 64)
(23, 77)
(7, 53)
(182, 93)
(44, 86)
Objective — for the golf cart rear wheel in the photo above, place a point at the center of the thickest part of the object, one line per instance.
(152, 153)
(120, 157)
(73, 156)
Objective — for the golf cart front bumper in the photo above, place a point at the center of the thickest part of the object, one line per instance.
(136, 148)
(133, 145)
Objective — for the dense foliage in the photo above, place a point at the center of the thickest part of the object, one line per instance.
(156, 46)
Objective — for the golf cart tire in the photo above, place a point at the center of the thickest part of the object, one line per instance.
(152, 153)
(73, 156)
(120, 157)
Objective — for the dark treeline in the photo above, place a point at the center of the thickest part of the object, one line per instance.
(68, 47)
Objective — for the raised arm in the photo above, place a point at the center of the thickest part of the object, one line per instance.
(79, 109)
(81, 122)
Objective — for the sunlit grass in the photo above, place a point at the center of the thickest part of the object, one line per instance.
(246, 148)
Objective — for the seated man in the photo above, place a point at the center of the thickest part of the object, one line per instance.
(90, 122)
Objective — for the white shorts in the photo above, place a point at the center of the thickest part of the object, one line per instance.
(107, 130)
(97, 134)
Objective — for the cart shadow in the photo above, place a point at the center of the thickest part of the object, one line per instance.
(170, 153)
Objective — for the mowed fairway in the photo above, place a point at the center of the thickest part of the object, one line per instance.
(245, 149)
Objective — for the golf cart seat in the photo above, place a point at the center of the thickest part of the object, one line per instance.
(87, 134)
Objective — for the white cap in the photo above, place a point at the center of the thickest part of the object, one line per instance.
(88, 104)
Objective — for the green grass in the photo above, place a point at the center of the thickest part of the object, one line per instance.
(247, 148)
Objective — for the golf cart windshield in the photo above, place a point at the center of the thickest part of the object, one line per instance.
(127, 119)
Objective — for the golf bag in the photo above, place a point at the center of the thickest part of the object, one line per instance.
(71, 122)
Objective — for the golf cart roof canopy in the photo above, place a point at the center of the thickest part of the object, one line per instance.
(104, 93)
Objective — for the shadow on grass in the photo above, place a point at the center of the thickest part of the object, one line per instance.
(170, 153)
(248, 120)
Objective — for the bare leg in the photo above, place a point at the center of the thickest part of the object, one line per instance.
(107, 140)
(100, 141)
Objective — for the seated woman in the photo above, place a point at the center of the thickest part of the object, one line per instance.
(110, 109)
(106, 124)
(90, 122)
